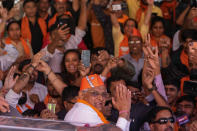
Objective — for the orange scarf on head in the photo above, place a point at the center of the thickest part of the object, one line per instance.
(184, 59)
(143, 8)
(25, 29)
(101, 116)
(123, 19)
(53, 20)
(166, 7)
(24, 43)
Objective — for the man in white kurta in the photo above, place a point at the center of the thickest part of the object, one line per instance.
(86, 112)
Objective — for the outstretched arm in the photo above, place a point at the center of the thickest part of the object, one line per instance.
(83, 16)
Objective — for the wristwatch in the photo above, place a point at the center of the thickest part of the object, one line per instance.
(153, 88)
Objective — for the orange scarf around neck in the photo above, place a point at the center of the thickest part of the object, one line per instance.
(166, 7)
(24, 43)
(143, 8)
(101, 116)
(53, 20)
(25, 29)
(184, 59)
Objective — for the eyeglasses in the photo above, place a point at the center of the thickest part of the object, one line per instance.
(95, 94)
(185, 106)
(134, 42)
(165, 120)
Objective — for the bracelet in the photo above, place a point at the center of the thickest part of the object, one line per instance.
(122, 112)
(49, 73)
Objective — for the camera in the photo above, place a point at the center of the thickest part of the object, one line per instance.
(190, 88)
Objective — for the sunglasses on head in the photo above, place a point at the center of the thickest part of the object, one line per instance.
(165, 120)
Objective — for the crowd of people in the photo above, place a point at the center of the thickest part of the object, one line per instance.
(140, 75)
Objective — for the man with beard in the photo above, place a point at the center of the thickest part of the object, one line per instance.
(26, 92)
(187, 105)
(99, 59)
(161, 119)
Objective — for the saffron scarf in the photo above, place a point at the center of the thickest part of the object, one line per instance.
(143, 8)
(184, 59)
(101, 116)
(24, 43)
(25, 29)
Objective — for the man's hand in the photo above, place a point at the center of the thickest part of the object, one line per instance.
(103, 55)
(37, 58)
(147, 77)
(151, 57)
(112, 63)
(193, 126)
(4, 106)
(63, 33)
(47, 114)
(10, 81)
(122, 101)
(43, 67)
(34, 98)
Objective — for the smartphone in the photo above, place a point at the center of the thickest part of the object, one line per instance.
(85, 57)
(116, 7)
(190, 87)
(69, 23)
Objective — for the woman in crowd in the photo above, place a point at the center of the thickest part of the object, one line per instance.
(157, 30)
(14, 37)
(71, 61)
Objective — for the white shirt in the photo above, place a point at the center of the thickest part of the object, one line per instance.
(176, 42)
(8, 59)
(82, 114)
(39, 89)
(55, 59)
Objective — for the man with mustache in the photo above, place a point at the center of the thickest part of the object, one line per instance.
(161, 119)
(99, 59)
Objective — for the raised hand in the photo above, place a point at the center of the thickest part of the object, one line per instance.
(84, 71)
(122, 100)
(43, 67)
(37, 58)
(63, 32)
(151, 58)
(103, 55)
(10, 81)
(148, 77)
(164, 43)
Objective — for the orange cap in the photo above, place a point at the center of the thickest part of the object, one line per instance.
(135, 32)
(91, 81)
